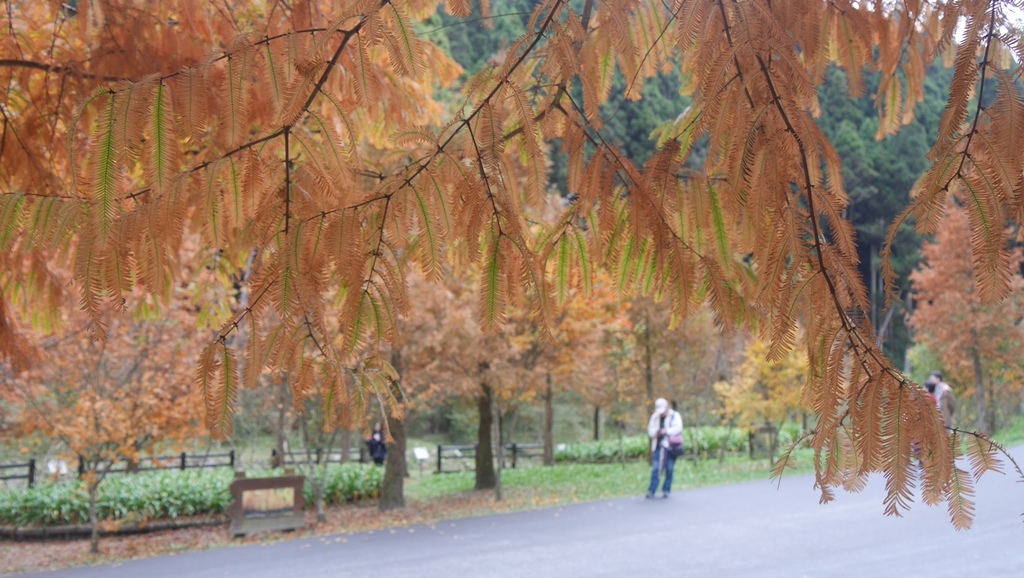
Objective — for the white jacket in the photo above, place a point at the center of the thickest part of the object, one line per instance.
(673, 426)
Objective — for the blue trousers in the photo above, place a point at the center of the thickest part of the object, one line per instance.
(661, 454)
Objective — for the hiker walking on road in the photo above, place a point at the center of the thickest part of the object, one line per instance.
(666, 431)
(945, 399)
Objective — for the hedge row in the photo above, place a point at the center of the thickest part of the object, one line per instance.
(163, 494)
(607, 450)
(705, 441)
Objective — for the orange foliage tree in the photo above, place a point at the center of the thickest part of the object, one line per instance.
(303, 143)
(111, 401)
(681, 359)
(978, 342)
(448, 356)
(587, 352)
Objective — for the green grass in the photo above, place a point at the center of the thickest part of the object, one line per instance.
(580, 482)
(568, 483)
(1012, 434)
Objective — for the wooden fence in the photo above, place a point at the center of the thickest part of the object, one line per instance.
(29, 475)
(466, 455)
(182, 461)
(317, 456)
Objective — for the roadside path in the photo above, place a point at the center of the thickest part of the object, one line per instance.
(742, 530)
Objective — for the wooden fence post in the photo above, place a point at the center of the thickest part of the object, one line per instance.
(183, 461)
(81, 466)
(231, 457)
(31, 472)
(439, 458)
(514, 452)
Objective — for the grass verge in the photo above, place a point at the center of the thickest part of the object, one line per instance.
(573, 483)
(1012, 434)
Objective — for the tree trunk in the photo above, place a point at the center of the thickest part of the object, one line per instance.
(406, 420)
(346, 446)
(773, 441)
(317, 452)
(501, 450)
(94, 539)
(549, 426)
(874, 292)
(512, 417)
(648, 361)
(319, 481)
(622, 449)
(597, 423)
(392, 492)
(992, 407)
(979, 390)
(485, 478)
(282, 413)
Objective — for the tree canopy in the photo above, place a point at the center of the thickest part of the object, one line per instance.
(978, 342)
(314, 150)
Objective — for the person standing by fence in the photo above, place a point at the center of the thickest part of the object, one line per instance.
(666, 431)
(378, 449)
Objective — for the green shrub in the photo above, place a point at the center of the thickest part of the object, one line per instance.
(47, 504)
(789, 433)
(709, 441)
(704, 441)
(164, 494)
(351, 482)
(345, 483)
(633, 447)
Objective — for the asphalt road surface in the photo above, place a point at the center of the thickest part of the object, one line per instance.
(752, 529)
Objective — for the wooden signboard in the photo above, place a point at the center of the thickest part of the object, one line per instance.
(267, 504)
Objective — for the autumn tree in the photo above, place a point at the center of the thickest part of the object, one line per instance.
(978, 342)
(765, 393)
(113, 401)
(303, 143)
(449, 357)
(586, 346)
(682, 359)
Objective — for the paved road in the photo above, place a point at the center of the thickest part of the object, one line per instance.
(742, 530)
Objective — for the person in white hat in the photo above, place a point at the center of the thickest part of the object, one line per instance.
(666, 431)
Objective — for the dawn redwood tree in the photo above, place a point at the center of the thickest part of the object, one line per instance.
(703, 357)
(979, 343)
(112, 401)
(448, 356)
(681, 359)
(303, 144)
(583, 349)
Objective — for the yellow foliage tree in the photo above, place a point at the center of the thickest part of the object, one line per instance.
(765, 393)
